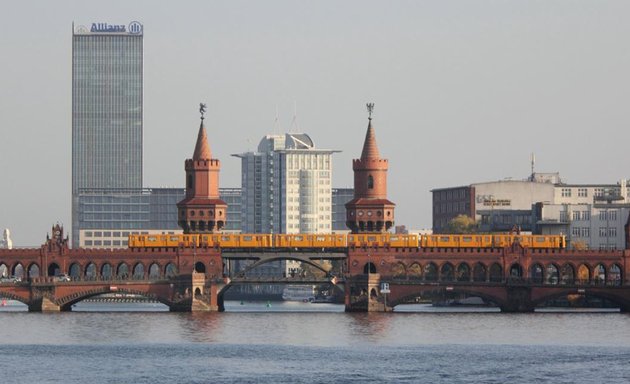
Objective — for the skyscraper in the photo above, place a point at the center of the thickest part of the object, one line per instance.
(107, 109)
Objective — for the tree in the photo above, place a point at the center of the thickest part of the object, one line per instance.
(462, 224)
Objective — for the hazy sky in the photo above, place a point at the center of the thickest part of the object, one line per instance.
(464, 91)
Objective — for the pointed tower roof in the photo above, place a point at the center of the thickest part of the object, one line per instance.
(202, 148)
(370, 150)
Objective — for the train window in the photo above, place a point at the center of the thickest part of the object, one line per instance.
(371, 238)
(393, 238)
(320, 238)
(540, 239)
(225, 238)
(152, 238)
(445, 238)
(487, 239)
(350, 238)
(247, 238)
(298, 238)
(466, 239)
(174, 238)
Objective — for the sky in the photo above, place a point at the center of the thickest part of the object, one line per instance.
(464, 91)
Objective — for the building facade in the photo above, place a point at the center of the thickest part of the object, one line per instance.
(286, 186)
(340, 197)
(497, 206)
(107, 109)
(108, 217)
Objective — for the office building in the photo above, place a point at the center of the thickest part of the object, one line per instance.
(107, 110)
(286, 186)
(107, 216)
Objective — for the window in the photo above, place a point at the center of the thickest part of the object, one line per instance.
(370, 183)
(566, 192)
(582, 192)
(612, 232)
(575, 232)
(586, 215)
(576, 215)
(612, 215)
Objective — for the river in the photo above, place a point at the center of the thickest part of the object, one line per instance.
(310, 343)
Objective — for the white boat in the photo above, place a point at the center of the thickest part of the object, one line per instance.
(304, 293)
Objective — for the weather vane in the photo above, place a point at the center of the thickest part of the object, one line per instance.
(370, 108)
(202, 109)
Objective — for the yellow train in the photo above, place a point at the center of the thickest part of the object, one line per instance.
(224, 240)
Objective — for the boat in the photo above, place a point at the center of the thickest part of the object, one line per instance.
(303, 293)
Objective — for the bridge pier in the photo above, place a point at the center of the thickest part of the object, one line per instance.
(519, 299)
(363, 294)
(198, 294)
(44, 304)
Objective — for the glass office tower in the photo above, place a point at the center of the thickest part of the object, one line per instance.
(107, 108)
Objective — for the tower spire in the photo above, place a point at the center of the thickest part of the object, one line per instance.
(202, 148)
(370, 149)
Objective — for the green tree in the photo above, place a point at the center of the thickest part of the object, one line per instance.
(462, 224)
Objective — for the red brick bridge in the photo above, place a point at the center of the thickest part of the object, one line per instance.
(195, 279)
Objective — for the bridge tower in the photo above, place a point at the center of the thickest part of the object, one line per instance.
(369, 212)
(201, 211)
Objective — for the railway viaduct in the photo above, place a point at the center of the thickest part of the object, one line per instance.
(195, 279)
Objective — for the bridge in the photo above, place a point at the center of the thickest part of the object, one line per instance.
(514, 278)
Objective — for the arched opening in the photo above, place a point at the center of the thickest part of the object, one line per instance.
(170, 270)
(480, 274)
(463, 272)
(398, 270)
(33, 271)
(122, 272)
(430, 272)
(516, 271)
(370, 183)
(615, 278)
(567, 274)
(599, 274)
(584, 274)
(369, 268)
(4, 270)
(373, 294)
(138, 271)
(447, 272)
(54, 270)
(553, 276)
(496, 273)
(415, 271)
(75, 271)
(197, 293)
(18, 270)
(154, 271)
(536, 274)
(107, 272)
(90, 271)
(200, 267)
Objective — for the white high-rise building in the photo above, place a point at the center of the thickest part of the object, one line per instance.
(286, 186)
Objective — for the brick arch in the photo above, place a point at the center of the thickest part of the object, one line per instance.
(66, 302)
(401, 295)
(152, 268)
(398, 269)
(75, 270)
(552, 274)
(13, 296)
(614, 296)
(138, 271)
(584, 273)
(447, 272)
(480, 272)
(415, 270)
(33, 270)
